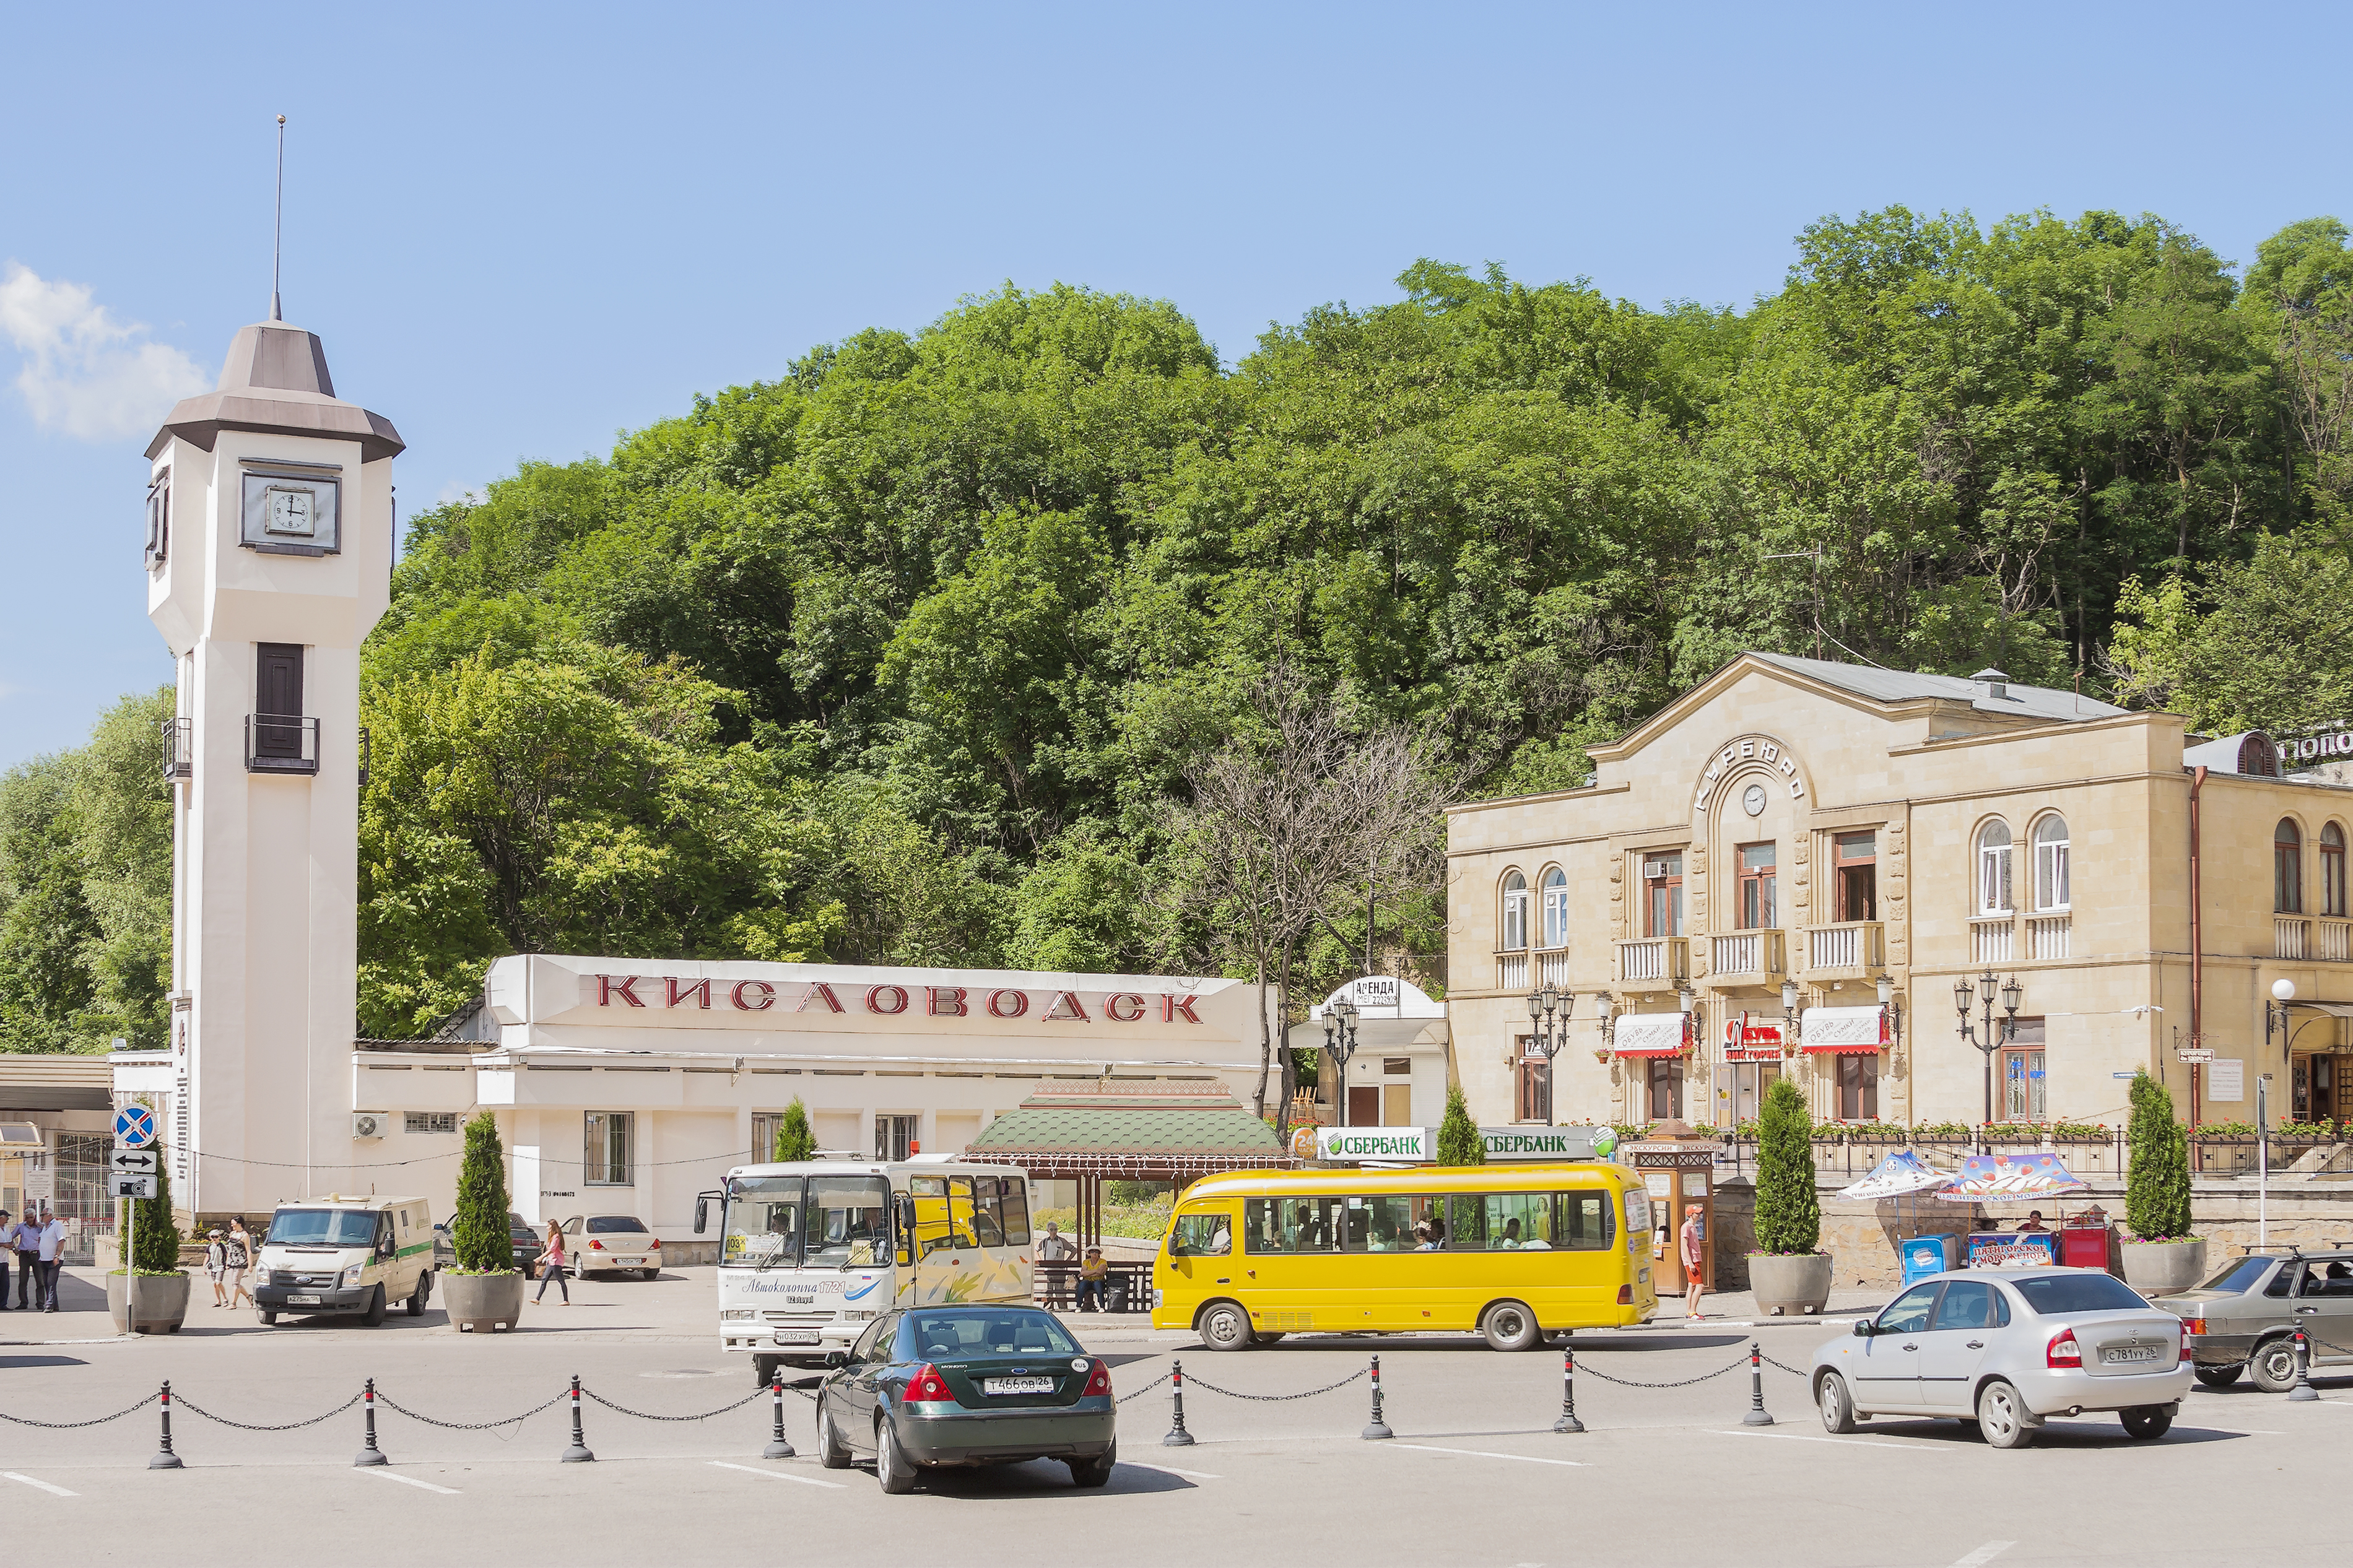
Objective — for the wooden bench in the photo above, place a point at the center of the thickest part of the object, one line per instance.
(1055, 1285)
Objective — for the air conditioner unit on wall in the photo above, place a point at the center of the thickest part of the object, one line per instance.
(368, 1123)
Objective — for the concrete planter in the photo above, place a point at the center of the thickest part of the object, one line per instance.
(162, 1302)
(2163, 1267)
(486, 1302)
(1790, 1285)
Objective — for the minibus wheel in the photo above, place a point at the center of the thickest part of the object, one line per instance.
(1224, 1326)
(1510, 1326)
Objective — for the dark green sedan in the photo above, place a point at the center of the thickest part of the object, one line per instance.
(966, 1385)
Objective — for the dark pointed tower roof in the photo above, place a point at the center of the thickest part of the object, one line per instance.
(276, 381)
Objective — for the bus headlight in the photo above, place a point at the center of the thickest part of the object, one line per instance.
(736, 1314)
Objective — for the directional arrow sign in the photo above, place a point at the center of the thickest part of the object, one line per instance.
(134, 1127)
(133, 1163)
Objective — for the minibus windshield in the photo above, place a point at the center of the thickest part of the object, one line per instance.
(321, 1228)
(819, 1221)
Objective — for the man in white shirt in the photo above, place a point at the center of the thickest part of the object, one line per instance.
(53, 1241)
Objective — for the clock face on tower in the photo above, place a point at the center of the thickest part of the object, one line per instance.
(289, 512)
(1752, 800)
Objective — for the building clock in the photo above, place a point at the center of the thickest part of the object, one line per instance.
(1752, 800)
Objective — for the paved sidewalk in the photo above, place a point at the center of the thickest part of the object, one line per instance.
(1739, 1308)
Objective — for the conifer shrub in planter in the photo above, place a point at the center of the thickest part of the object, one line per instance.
(1786, 1272)
(1459, 1142)
(794, 1138)
(2160, 1256)
(482, 1289)
(162, 1297)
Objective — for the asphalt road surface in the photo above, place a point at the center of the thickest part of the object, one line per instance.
(1474, 1474)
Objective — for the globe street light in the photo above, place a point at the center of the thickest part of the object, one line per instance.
(1991, 1037)
(1548, 1011)
(1340, 1044)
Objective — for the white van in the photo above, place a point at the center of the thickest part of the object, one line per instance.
(345, 1254)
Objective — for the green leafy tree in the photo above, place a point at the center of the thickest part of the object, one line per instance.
(794, 1138)
(155, 1234)
(1459, 1142)
(1788, 1209)
(478, 1231)
(2157, 1182)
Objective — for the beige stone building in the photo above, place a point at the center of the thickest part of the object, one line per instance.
(1788, 870)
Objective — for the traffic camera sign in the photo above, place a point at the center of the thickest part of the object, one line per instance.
(134, 1127)
(135, 1187)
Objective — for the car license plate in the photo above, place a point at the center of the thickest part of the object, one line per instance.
(301, 1300)
(1017, 1386)
(630, 1262)
(797, 1336)
(2129, 1354)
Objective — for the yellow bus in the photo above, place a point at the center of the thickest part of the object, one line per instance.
(1512, 1251)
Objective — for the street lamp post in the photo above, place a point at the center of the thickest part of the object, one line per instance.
(1340, 1044)
(1988, 1038)
(1548, 1010)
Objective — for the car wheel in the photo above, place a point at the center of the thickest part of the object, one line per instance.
(1096, 1471)
(1510, 1326)
(268, 1320)
(892, 1466)
(1224, 1326)
(764, 1369)
(375, 1315)
(1837, 1406)
(2272, 1367)
(831, 1451)
(418, 1298)
(2002, 1416)
(2219, 1377)
(651, 1275)
(2147, 1422)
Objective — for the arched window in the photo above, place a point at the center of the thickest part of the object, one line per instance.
(2287, 868)
(2051, 891)
(1515, 914)
(2332, 870)
(1994, 896)
(1555, 906)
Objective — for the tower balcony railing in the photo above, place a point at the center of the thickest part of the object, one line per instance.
(179, 748)
(1848, 950)
(1659, 962)
(1751, 956)
(281, 743)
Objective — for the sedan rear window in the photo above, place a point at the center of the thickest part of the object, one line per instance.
(986, 1332)
(611, 1224)
(2079, 1293)
(2239, 1274)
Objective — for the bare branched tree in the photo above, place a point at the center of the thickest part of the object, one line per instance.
(1288, 815)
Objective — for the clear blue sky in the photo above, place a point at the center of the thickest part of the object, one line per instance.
(521, 229)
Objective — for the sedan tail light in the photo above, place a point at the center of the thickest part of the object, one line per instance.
(596, 1247)
(1098, 1380)
(2191, 1326)
(2063, 1352)
(929, 1385)
(655, 1245)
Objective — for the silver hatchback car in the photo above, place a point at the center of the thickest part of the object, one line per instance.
(2009, 1348)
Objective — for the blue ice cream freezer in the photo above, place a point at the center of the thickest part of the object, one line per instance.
(1927, 1254)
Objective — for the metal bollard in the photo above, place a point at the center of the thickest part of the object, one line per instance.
(1568, 1421)
(778, 1448)
(578, 1453)
(1177, 1436)
(1378, 1428)
(1755, 1417)
(2303, 1391)
(369, 1453)
(164, 1458)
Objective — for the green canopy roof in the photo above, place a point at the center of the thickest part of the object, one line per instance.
(1131, 1127)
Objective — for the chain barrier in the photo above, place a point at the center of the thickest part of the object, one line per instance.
(193, 1408)
(2316, 1339)
(1142, 1391)
(390, 1403)
(643, 1415)
(1784, 1366)
(73, 1426)
(1280, 1398)
(1588, 1369)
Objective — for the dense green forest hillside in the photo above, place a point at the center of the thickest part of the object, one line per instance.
(899, 655)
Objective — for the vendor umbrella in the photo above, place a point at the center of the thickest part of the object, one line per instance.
(2012, 1178)
(1900, 1172)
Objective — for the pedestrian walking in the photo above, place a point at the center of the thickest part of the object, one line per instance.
(239, 1246)
(53, 1243)
(1693, 1241)
(24, 1241)
(550, 1266)
(8, 1256)
(216, 1262)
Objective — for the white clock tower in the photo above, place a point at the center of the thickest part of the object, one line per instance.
(268, 559)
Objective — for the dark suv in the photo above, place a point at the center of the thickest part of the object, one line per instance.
(2244, 1318)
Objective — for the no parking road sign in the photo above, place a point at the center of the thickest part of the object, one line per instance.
(134, 1127)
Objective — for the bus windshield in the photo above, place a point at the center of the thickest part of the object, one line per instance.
(820, 1221)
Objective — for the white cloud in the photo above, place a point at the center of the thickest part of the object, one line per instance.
(85, 374)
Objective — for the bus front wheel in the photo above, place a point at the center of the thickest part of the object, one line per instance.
(1224, 1326)
(1510, 1326)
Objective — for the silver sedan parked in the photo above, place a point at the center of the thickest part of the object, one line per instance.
(2009, 1348)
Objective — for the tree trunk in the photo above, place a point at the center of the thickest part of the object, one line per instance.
(1265, 1045)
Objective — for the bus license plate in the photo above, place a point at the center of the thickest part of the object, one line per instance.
(797, 1336)
(2127, 1356)
(301, 1300)
(1017, 1386)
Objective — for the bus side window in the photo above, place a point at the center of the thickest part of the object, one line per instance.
(960, 1220)
(1585, 1220)
(1262, 1226)
(1466, 1222)
(1013, 1198)
(986, 1227)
